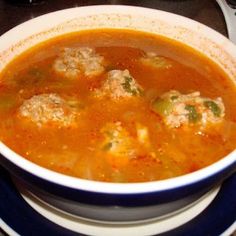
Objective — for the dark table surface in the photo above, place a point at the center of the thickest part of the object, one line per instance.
(204, 11)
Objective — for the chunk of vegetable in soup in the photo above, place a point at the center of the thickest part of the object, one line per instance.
(117, 106)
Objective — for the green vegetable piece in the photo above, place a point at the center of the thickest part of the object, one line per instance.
(213, 107)
(162, 107)
(193, 115)
(127, 86)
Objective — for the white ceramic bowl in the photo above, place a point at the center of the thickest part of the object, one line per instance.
(114, 202)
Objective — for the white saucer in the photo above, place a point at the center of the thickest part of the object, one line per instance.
(101, 229)
(23, 214)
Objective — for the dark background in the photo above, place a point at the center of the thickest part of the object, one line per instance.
(204, 11)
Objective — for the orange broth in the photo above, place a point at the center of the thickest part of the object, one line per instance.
(75, 151)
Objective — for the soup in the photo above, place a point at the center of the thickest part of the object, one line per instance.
(117, 106)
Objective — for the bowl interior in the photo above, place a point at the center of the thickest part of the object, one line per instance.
(195, 35)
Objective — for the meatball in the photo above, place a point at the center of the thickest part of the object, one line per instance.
(187, 109)
(153, 60)
(48, 108)
(119, 84)
(74, 62)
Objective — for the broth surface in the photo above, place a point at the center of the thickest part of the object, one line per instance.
(113, 137)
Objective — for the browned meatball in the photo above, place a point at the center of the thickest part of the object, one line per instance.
(77, 61)
(185, 109)
(119, 84)
(48, 108)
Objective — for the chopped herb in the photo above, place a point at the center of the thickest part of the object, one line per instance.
(193, 115)
(107, 146)
(213, 107)
(128, 79)
(127, 86)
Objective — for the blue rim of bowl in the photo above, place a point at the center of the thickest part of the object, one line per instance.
(20, 217)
